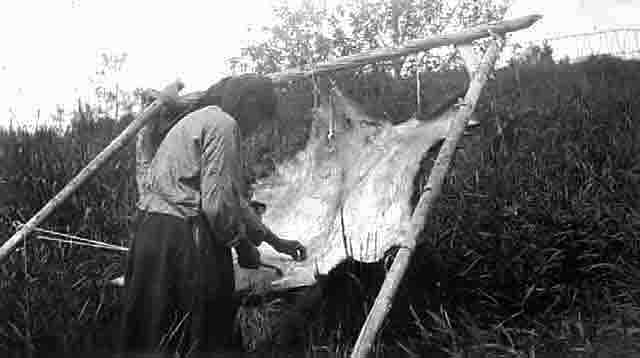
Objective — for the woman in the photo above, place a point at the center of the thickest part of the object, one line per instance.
(194, 211)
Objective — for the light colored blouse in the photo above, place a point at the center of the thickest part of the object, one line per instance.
(197, 169)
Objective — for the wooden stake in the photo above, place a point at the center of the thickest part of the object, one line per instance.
(384, 300)
(87, 172)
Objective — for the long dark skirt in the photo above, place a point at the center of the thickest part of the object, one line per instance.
(179, 288)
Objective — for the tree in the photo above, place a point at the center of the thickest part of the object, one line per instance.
(300, 37)
(111, 99)
(312, 33)
(534, 55)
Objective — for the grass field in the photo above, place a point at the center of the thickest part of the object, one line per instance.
(532, 249)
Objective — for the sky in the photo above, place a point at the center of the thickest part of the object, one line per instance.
(563, 17)
(49, 48)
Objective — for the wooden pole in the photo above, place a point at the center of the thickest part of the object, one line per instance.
(384, 300)
(87, 172)
(462, 37)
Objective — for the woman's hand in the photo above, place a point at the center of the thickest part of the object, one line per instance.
(292, 248)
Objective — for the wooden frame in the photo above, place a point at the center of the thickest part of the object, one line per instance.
(390, 286)
(385, 297)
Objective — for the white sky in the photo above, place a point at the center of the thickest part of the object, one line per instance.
(49, 48)
(563, 17)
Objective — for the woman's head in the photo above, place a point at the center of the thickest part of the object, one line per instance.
(250, 99)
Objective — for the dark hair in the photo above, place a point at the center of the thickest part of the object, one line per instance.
(213, 95)
(233, 95)
(245, 98)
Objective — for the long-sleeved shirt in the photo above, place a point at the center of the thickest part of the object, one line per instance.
(197, 169)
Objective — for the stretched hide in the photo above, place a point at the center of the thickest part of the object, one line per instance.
(346, 194)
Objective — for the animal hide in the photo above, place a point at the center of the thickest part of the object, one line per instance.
(347, 194)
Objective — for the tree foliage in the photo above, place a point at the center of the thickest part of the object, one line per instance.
(534, 55)
(109, 99)
(312, 33)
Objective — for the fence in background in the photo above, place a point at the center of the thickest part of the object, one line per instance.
(619, 42)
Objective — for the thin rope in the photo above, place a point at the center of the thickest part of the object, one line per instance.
(345, 240)
(80, 243)
(332, 121)
(77, 238)
(332, 115)
(74, 240)
(315, 90)
(418, 94)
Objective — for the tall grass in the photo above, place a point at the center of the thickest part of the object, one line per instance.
(70, 306)
(531, 249)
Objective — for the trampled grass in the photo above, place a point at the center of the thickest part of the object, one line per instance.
(532, 249)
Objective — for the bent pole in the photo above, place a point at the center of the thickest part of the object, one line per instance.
(87, 172)
(384, 300)
(461, 37)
